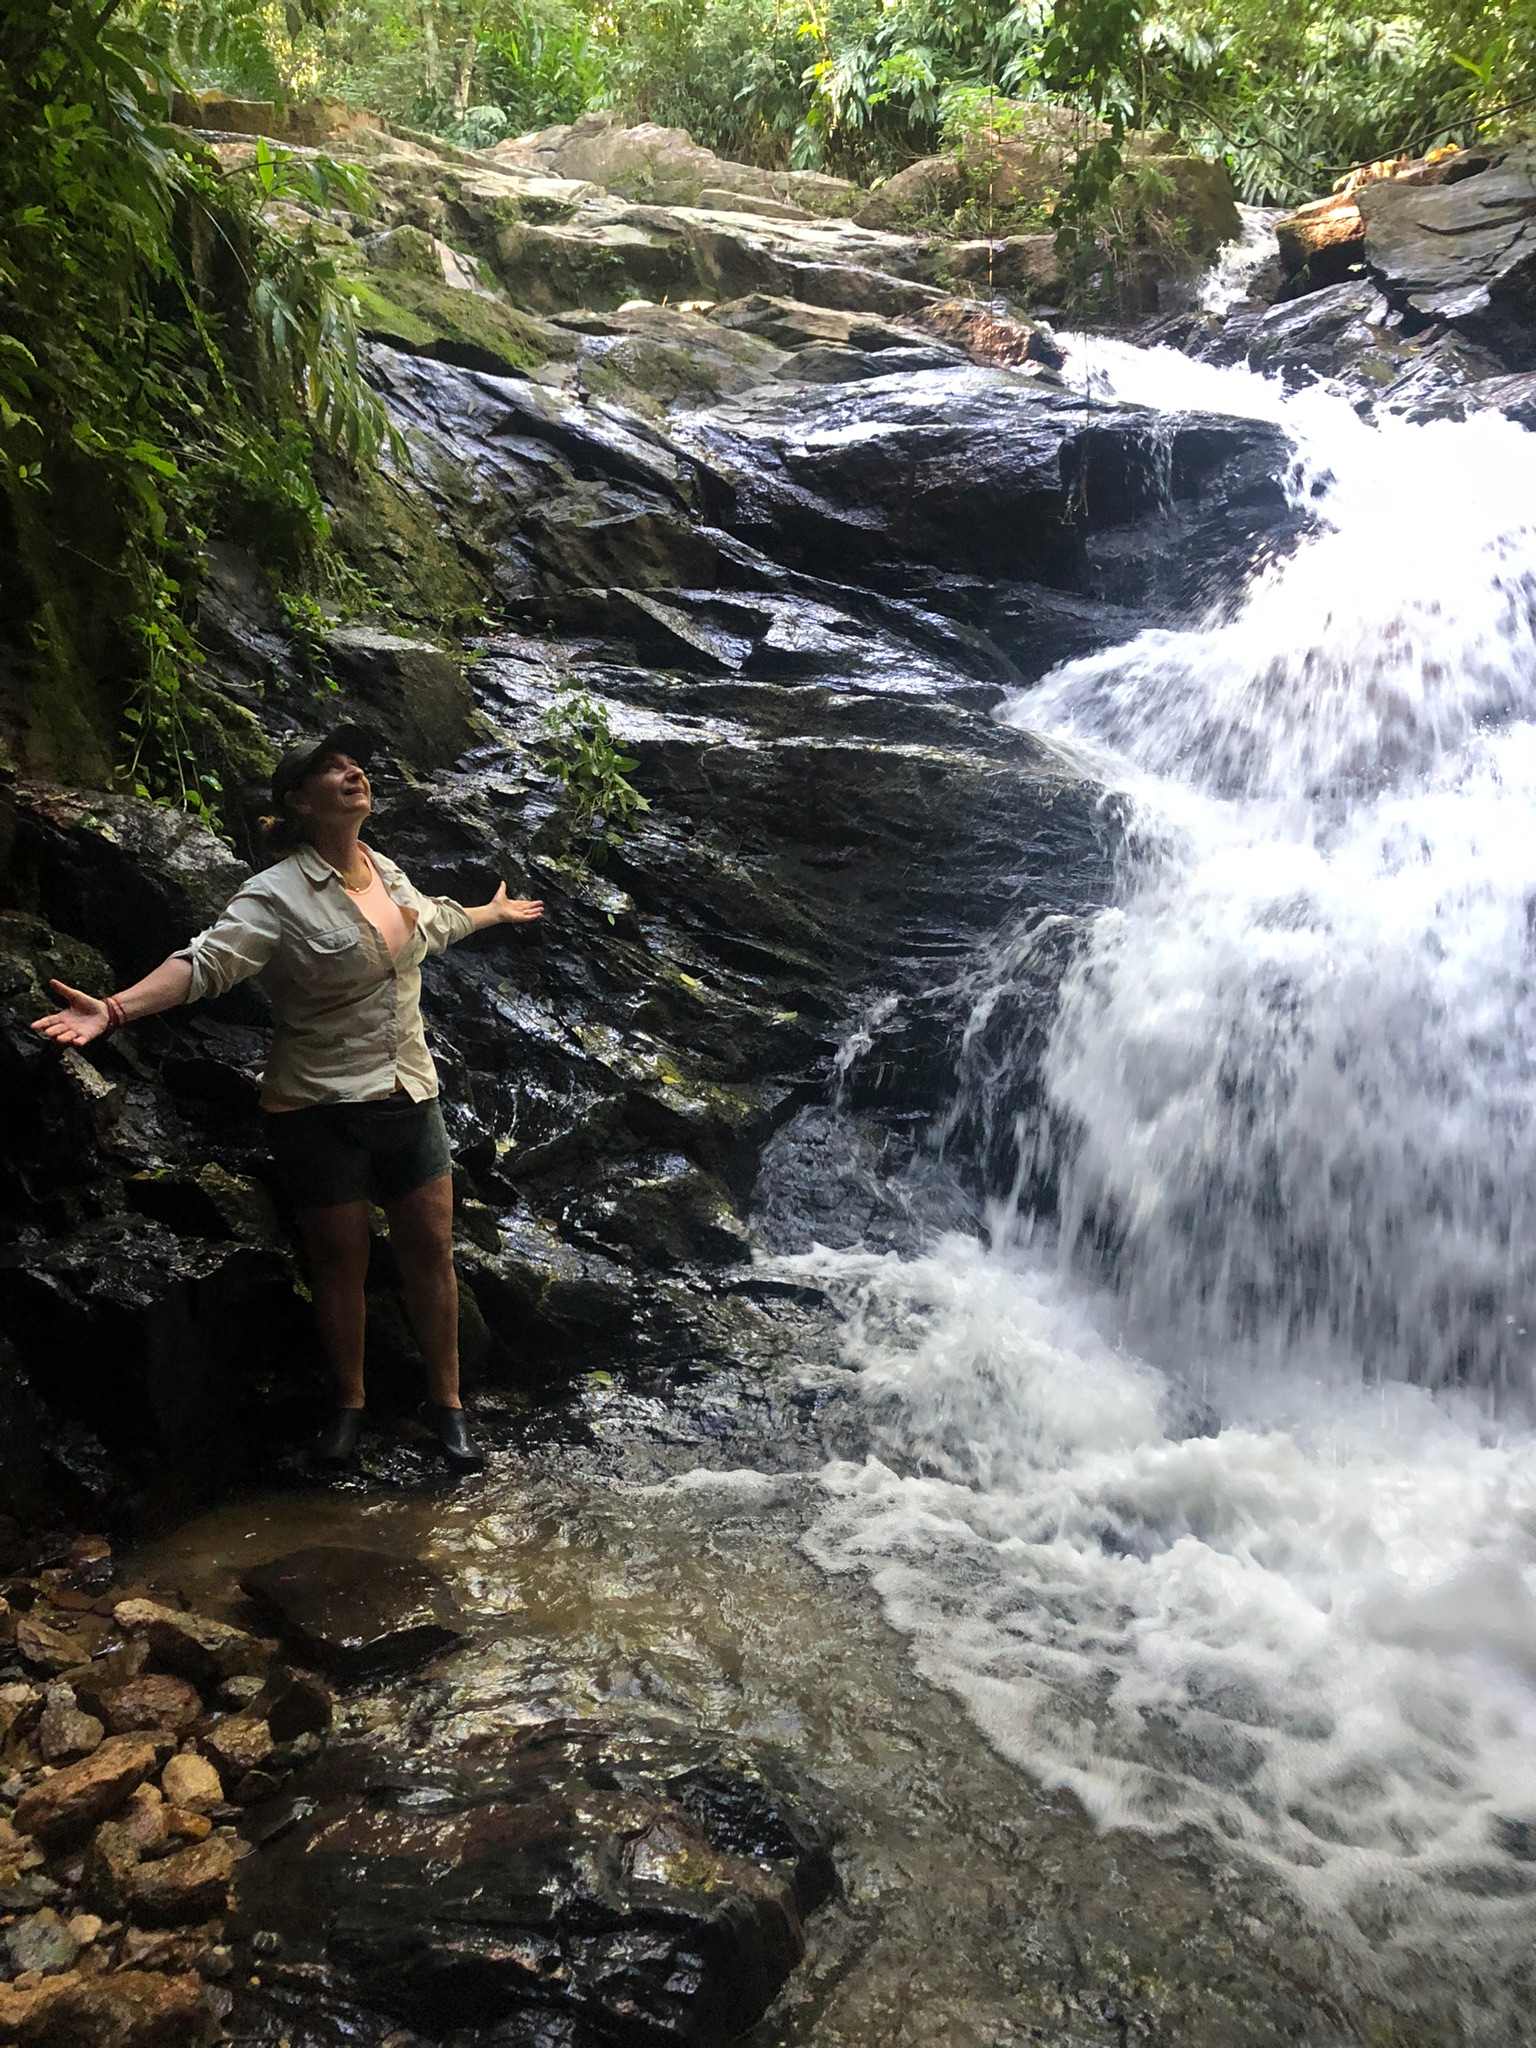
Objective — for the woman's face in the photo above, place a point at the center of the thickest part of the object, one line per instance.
(336, 788)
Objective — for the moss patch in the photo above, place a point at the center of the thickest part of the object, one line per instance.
(414, 312)
(393, 538)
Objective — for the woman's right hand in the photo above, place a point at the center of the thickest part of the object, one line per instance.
(86, 1018)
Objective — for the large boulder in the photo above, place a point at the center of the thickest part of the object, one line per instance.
(666, 167)
(170, 1338)
(1462, 251)
(638, 1887)
(1323, 242)
(968, 468)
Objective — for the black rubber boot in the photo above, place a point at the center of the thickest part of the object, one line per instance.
(336, 1445)
(452, 1429)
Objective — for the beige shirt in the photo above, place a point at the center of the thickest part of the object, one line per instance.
(348, 1013)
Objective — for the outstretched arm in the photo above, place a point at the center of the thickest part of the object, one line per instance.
(503, 909)
(86, 1018)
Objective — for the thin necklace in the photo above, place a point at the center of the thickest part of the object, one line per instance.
(357, 888)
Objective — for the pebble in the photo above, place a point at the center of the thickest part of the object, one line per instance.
(193, 1783)
(65, 1733)
(42, 1943)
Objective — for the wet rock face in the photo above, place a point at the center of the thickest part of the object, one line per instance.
(1463, 251)
(797, 551)
(356, 1611)
(638, 1887)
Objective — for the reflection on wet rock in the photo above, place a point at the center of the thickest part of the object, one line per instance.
(641, 1885)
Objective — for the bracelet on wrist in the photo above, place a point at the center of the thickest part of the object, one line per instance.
(117, 1016)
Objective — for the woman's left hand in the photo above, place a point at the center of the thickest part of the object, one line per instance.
(514, 909)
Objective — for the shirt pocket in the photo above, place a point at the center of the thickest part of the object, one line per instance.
(331, 959)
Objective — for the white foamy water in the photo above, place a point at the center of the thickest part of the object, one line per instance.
(1214, 1499)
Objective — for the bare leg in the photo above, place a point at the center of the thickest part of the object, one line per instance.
(336, 1241)
(421, 1232)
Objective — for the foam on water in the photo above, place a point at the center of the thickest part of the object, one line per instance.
(1309, 1633)
(1215, 1499)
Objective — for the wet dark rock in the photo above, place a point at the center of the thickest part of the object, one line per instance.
(1326, 334)
(830, 1179)
(1462, 252)
(130, 878)
(1514, 396)
(161, 1329)
(295, 1704)
(662, 1208)
(354, 1610)
(970, 469)
(412, 691)
(648, 1886)
(1353, 335)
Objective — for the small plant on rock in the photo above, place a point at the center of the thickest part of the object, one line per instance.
(588, 762)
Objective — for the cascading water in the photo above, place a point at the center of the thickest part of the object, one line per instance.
(1216, 1502)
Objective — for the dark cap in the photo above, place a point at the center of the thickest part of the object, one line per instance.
(302, 761)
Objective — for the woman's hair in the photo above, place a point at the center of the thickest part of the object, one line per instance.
(280, 835)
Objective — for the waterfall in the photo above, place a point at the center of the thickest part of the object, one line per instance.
(1211, 1491)
(1230, 278)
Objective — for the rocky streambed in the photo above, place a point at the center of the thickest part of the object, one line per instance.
(642, 1771)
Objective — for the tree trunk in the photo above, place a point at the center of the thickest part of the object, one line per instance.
(464, 74)
(429, 63)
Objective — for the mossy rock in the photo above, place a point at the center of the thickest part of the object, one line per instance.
(651, 374)
(482, 332)
(394, 539)
(241, 750)
(555, 268)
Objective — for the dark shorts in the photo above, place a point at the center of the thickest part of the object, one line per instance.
(358, 1151)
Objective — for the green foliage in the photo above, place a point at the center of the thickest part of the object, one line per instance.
(1291, 96)
(128, 411)
(592, 768)
(308, 629)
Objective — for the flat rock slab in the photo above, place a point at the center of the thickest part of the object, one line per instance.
(357, 1611)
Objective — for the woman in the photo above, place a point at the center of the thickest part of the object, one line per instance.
(338, 934)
